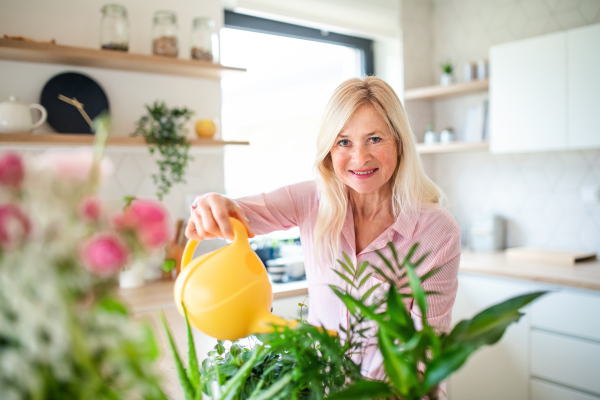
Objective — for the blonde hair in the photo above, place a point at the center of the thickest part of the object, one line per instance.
(411, 186)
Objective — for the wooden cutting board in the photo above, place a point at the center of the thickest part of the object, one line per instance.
(549, 256)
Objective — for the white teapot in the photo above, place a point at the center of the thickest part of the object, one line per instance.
(16, 116)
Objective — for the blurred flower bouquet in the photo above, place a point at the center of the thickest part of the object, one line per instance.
(62, 334)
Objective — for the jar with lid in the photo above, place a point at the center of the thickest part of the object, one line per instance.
(205, 41)
(164, 34)
(114, 28)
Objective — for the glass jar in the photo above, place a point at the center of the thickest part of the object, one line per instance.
(114, 28)
(164, 34)
(205, 41)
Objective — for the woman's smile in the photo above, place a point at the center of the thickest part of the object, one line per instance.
(364, 173)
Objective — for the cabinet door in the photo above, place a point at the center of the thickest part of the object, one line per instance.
(528, 92)
(288, 307)
(583, 50)
(497, 372)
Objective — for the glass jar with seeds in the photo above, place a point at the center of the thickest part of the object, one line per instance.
(205, 41)
(114, 28)
(164, 34)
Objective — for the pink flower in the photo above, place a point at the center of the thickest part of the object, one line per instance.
(11, 170)
(90, 209)
(154, 236)
(149, 220)
(14, 227)
(104, 254)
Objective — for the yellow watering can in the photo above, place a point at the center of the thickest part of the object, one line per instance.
(227, 293)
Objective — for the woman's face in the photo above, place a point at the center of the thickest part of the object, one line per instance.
(365, 152)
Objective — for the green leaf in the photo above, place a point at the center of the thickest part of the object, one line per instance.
(346, 268)
(399, 315)
(167, 266)
(273, 389)
(368, 292)
(429, 274)
(361, 269)
(111, 305)
(193, 370)
(364, 390)
(186, 386)
(488, 326)
(417, 290)
(230, 389)
(386, 262)
(441, 367)
(348, 261)
(365, 279)
(402, 374)
(344, 277)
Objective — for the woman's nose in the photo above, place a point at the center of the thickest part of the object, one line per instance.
(361, 155)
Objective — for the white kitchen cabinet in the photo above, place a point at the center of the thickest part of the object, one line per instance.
(528, 95)
(541, 390)
(501, 371)
(583, 66)
(568, 312)
(287, 307)
(567, 361)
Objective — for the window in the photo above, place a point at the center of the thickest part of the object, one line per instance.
(277, 104)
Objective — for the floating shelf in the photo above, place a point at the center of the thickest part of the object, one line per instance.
(455, 89)
(54, 139)
(16, 50)
(453, 147)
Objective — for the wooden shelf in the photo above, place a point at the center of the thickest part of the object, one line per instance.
(453, 147)
(455, 89)
(61, 139)
(16, 50)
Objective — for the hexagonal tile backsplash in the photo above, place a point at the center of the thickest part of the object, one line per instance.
(537, 193)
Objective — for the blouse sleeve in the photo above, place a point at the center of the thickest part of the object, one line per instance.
(281, 209)
(444, 283)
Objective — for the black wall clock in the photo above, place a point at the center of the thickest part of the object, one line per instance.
(65, 117)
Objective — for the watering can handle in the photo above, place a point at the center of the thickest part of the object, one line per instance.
(239, 231)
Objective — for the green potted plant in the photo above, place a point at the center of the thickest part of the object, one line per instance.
(307, 363)
(164, 130)
(447, 71)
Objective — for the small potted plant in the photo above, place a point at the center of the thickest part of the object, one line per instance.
(164, 130)
(447, 70)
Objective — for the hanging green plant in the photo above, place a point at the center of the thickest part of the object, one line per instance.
(164, 130)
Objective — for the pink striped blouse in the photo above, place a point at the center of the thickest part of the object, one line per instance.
(432, 227)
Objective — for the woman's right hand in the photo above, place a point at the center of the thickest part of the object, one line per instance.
(210, 218)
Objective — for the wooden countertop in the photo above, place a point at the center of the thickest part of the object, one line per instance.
(585, 275)
(158, 295)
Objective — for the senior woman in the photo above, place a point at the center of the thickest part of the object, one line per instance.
(370, 189)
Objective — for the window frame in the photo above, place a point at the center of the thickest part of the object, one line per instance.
(251, 23)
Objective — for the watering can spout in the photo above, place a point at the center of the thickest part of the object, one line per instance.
(227, 293)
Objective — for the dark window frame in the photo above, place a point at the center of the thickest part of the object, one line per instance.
(261, 25)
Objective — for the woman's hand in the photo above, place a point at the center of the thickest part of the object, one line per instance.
(210, 218)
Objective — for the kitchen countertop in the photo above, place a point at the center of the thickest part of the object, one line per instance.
(159, 294)
(585, 275)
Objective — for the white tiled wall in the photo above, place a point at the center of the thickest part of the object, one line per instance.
(538, 193)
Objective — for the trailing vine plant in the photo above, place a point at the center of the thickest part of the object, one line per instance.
(164, 130)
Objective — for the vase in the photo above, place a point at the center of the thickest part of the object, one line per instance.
(133, 276)
(446, 79)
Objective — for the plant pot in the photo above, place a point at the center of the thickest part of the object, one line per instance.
(133, 276)
(446, 79)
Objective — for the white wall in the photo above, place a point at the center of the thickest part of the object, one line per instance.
(538, 193)
(76, 23)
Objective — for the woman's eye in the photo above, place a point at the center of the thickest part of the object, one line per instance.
(344, 142)
(375, 139)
